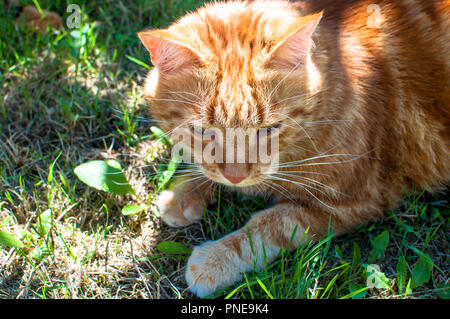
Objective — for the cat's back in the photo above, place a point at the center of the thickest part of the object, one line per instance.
(395, 56)
(418, 29)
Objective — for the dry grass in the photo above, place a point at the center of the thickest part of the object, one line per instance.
(85, 103)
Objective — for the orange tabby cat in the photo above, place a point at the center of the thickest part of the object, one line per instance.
(358, 92)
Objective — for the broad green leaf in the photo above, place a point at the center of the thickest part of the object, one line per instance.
(401, 274)
(132, 209)
(426, 257)
(379, 246)
(6, 239)
(443, 291)
(421, 272)
(165, 176)
(376, 278)
(104, 175)
(173, 248)
(44, 222)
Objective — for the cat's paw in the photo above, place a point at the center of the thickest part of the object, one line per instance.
(178, 208)
(212, 266)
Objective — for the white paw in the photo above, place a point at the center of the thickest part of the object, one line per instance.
(177, 210)
(212, 266)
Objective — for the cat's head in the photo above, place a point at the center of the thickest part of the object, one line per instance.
(240, 69)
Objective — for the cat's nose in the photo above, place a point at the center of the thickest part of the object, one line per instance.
(234, 179)
(235, 173)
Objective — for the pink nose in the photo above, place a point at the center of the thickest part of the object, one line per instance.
(234, 179)
(235, 173)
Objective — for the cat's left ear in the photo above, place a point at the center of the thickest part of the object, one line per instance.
(167, 53)
(296, 46)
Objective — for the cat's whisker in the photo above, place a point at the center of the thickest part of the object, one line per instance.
(207, 180)
(304, 187)
(176, 101)
(136, 118)
(287, 99)
(177, 127)
(186, 169)
(324, 122)
(317, 183)
(274, 187)
(307, 172)
(316, 157)
(192, 179)
(284, 78)
(282, 179)
(302, 128)
(183, 93)
(323, 163)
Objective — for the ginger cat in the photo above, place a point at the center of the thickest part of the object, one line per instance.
(356, 94)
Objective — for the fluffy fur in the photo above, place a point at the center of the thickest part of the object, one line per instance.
(363, 111)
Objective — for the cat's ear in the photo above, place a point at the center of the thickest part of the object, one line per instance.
(296, 46)
(168, 54)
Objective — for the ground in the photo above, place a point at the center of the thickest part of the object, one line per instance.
(71, 95)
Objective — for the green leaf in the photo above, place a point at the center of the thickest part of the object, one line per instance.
(6, 220)
(104, 175)
(41, 252)
(165, 176)
(264, 288)
(44, 222)
(138, 62)
(443, 291)
(376, 278)
(379, 246)
(132, 209)
(173, 248)
(401, 274)
(338, 252)
(356, 291)
(356, 257)
(421, 272)
(6, 239)
(161, 136)
(51, 168)
(425, 256)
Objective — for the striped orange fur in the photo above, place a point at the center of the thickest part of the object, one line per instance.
(363, 103)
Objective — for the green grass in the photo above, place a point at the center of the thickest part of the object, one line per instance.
(71, 96)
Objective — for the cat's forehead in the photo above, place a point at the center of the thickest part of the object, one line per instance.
(230, 112)
(237, 29)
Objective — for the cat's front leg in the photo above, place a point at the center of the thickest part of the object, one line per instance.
(182, 204)
(217, 264)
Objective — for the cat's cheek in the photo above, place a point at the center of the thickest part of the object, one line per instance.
(212, 266)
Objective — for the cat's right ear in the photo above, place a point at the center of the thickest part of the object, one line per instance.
(168, 55)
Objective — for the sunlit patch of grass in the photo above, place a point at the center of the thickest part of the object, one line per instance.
(402, 248)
